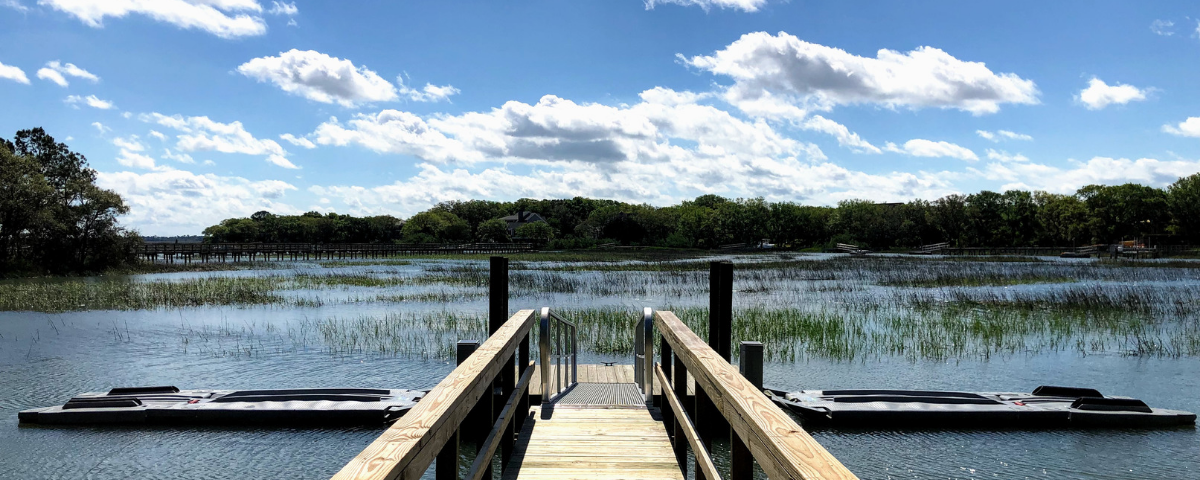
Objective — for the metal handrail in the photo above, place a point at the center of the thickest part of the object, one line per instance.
(556, 353)
(643, 355)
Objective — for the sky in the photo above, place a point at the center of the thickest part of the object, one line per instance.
(200, 110)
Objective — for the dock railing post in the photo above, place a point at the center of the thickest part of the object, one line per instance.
(679, 379)
(648, 350)
(750, 365)
(447, 459)
(544, 353)
(506, 381)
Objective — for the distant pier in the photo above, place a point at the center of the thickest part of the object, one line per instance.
(238, 252)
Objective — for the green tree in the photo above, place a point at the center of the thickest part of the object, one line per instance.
(1183, 203)
(435, 226)
(539, 232)
(53, 217)
(494, 230)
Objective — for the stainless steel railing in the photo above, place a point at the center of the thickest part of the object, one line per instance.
(643, 355)
(557, 342)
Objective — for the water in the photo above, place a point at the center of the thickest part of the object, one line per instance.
(46, 358)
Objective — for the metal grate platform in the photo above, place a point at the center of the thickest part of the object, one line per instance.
(602, 394)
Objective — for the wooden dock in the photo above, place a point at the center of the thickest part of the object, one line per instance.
(593, 442)
(648, 420)
(603, 374)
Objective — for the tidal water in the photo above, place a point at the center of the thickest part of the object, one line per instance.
(47, 358)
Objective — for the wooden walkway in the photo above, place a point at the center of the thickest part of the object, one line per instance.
(603, 374)
(593, 442)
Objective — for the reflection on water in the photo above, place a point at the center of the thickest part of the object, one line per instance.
(46, 358)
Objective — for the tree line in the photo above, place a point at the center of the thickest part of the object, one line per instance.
(1017, 218)
(53, 216)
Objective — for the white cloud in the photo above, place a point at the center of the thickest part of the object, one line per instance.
(659, 151)
(101, 127)
(89, 100)
(283, 8)
(928, 148)
(1002, 156)
(54, 71)
(431, 92)
(178, 157)
(15, 74)
(1186, 128)
(15, 5)
(180, 202)
(1165, 28)
(223, 18)
(1099, 94)
(743, 5)
(204, 134)
(844, 136)
(1098, 170)
(298, 141)
(130, 155)
(777, 72)
(159, 135)
(320, 77)
(666, 96)
(1002, 135)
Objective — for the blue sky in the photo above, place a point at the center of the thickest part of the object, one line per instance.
(199, 110)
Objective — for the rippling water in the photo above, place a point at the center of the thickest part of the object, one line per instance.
(47, 358)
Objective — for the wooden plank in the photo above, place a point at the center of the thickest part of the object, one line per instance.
(781, 447)
(703, 458)
(593, 443)
(407, 448)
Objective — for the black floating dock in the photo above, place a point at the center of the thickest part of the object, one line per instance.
(170, 405)
(1047, 407)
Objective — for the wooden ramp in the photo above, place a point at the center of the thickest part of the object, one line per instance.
(594, 431)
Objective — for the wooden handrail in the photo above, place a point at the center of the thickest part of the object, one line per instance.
(703, 459)
(778, 443)
(408, 447)
(483, 461)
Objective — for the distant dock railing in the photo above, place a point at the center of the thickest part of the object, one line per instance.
(223, 252)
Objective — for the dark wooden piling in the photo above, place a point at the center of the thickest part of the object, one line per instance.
(506, 381)
(750, 365)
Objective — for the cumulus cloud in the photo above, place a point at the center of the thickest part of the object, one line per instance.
(101, 127)
(928, 148)
(844, 136)
(283, 8)
(781, 74)
(1002, 135)
(660, 151)
(1099, 170)
(298, 141)
(223, 18)
(1003, 156)
(1098, 94)
(159, 135)
(204, 134)
(1165, 28)
(90, 100)
(320, 77)
(180, 202)
(743, 5)
(178, 157)
(130, 153)
(15, 74)
(54, 71)
(1186, 128)
(431, 92)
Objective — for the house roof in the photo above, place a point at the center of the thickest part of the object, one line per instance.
(523, 217)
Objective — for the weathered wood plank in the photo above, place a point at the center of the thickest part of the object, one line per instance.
(409, 446)
(778, 443)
